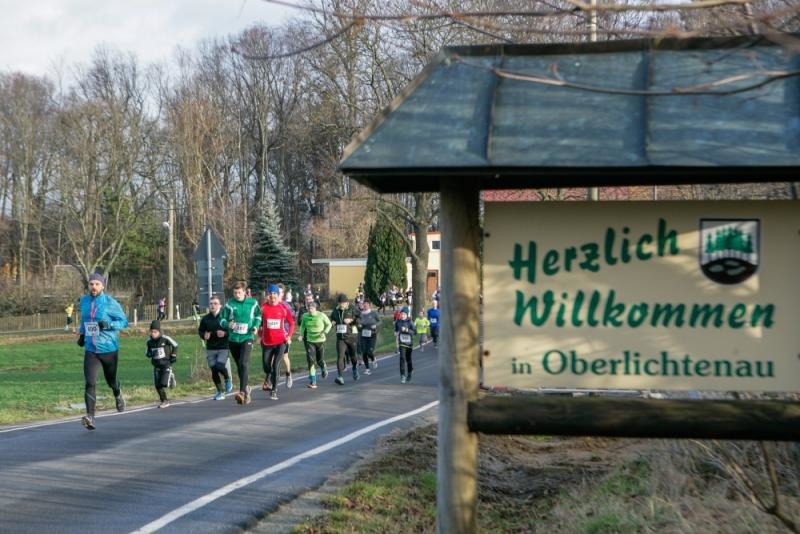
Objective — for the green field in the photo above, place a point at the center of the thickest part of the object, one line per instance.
(43, 378)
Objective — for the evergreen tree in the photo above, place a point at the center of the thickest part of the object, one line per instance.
(273, 261)
(386, 261)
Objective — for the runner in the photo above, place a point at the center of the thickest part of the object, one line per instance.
(421, 325)
(344, 318)
(286, 363)
(215, 337)
(163, 352)
(277, 326)
(68, 310)
(368, 322)
(241, 317)
(404, 332)
(162, 309)
(101, 320)
(314, 326)
(433, 317)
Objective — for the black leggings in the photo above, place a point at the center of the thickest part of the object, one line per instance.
(367, 345)
(315, 356)
(345, 351)
(241, 355)
(271, 357)
(405, 361)
(161, 381)
(92, 362)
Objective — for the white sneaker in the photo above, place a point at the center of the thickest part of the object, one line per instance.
(289, 381)
(367, 372)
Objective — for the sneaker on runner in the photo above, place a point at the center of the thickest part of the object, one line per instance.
(267, 385)
(228, 386)
(324, 371)
(239, 397)
(289, 381)
(312, 385)
(367, 372)
(374, 364)
(219, 396)
(340, 380)
(402, 379)
(273, 395)
(88, 422)
(172, 381)
(120, 401)
(248, 397)
(408, 378)
(355, 373)
(164, 404)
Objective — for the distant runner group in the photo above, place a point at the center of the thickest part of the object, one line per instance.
(233, 329)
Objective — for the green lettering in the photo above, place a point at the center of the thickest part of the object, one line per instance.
(518, 264)
(641, 254)
(735, 316)
(609, 246)
(665, 238)
(762, 313)
(532, 304)
(671, 313)
(550, 264)
(591, 254)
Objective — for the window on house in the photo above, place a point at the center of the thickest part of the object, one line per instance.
(436, 245)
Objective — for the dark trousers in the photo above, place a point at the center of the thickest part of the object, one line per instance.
(435, 335)
(345, 351)
(315, 355)
(241, 355)
(92, 362)
(405, 361)
(271, 357)
(161, 381)
(367, 345)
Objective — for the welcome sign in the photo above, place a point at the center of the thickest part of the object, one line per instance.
(643, 295)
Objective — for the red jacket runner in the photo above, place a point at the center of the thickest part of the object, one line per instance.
(273, 319)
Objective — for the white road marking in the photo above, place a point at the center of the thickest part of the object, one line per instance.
(196, 504)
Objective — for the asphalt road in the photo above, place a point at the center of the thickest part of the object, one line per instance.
(202, 465)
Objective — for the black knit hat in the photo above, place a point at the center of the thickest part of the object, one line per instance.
(342, 298)
(155, 325)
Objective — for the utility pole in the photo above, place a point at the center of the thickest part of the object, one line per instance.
(594, 192)
(171, 260)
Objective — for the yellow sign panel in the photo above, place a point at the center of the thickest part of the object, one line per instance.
(643, 295)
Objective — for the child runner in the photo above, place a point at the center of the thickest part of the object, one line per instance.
(163, 352)
(313, 327)
(421, 325)
(433, 317)
(404, 332)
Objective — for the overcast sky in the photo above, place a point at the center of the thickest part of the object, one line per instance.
(35, 35)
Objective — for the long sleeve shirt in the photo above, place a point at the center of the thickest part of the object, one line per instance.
(245, 315)
(103, 307)
(404, 329)
(314, 326)
(277, 324)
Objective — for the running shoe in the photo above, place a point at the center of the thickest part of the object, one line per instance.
(88, 422)
(312, 385)
(248, 398)
(164, 404)
(273, 395)
(228, 386)
(367, 372)
(324, 371)
(402, 379)
(120, 401)
(267, 385)
(408, 378)
(340, 380)
(172, 382)
(239, 397)
(289, 381)
(355, 373)
(374, 364)
(219, 396)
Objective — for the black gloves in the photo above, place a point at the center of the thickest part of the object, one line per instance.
(103, 325)
(81, 340)
(173, 359)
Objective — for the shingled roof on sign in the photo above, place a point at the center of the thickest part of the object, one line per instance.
(615, 113)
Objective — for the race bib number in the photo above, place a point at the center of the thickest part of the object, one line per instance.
(159, 353)
(241, 328)
(341, 328)
(91, 328)
(434, 320)
(405, 338)
(366, 333)
(274, 324)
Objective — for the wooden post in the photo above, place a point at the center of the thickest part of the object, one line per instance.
(457, 460)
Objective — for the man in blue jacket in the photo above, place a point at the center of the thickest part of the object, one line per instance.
(101, 320)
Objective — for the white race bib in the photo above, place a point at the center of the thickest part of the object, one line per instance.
(341, 328)
(92, 329)
(366, 333)
(405, 338)
(241, 328)
(434, 320)
(159, 353)
(274, 324)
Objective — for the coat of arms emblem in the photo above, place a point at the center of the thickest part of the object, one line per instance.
(729, 249)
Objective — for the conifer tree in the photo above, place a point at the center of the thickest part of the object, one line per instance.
(386, 261)
(273, 261)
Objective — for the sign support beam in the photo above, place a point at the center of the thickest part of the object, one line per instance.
(457, 460)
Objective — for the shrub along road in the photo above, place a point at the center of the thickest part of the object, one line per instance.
(201, 465)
